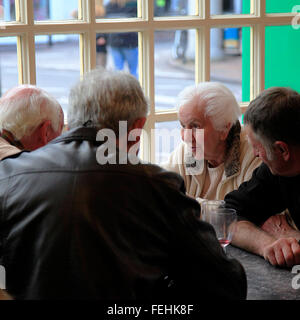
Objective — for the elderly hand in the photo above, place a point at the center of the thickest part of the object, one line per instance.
(284, 252)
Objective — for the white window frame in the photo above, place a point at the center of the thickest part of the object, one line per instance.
(25, 29)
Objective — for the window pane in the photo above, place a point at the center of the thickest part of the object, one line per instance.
(174, 65)
(55, 10)
(116, 9)
(167, 138)
(8, 63)
(229, 7)
(163, 8)
(118, 51)
(278, 6)
(282, 64)
(227, 58)
(57, 65)
(7, 10)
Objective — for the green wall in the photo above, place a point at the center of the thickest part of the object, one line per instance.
(282, 63)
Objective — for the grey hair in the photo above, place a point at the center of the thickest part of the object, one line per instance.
(220, 104)
(25, 107)
(103, 98)
(267, 144)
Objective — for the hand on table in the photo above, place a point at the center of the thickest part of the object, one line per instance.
(284, 252)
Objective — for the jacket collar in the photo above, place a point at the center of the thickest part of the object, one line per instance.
(232, 164)
(79, 133)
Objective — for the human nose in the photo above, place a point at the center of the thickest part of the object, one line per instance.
(187, 135)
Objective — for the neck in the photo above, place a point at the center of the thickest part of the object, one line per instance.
(219, 156)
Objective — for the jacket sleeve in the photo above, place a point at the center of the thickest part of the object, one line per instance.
(200, 267)
(259, 198)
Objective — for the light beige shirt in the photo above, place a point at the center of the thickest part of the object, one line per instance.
(195, 181)
(6, 149)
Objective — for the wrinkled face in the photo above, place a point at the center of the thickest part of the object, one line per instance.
(276, 165)
(198, 132)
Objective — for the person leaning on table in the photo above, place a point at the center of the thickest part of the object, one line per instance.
(272, 123)
(109, 230)
(225, 160)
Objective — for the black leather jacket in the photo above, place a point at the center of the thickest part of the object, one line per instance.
(73, 229)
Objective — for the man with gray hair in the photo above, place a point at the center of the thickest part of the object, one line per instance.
(29, 119)
(272, 123)
(106, 231)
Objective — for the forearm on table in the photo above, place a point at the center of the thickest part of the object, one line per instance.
(251, 238)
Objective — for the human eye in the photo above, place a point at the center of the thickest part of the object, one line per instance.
(196, 126)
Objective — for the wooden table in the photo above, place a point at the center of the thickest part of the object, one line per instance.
(266, 282)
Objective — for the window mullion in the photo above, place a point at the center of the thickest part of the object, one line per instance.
(26, 45)
(87, 40)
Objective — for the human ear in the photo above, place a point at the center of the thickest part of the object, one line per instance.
(282, 149)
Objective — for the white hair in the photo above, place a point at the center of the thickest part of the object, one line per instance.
(103, 98)
(220, 104)
(25, 107)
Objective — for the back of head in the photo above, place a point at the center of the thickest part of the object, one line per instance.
(25, 107)
(219, 102)
(275, 115)
(103, 98)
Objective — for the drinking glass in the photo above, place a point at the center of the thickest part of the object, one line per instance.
(209, 205)
(224, 221)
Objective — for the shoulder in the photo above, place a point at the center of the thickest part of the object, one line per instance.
(162, 175)
(175, 159)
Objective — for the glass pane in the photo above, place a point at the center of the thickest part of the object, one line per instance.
(230, 7)
(279, 6)
(55, 10)
(57, 65)
(282, 64)
(118, 51)
(8, 63)
(167, 138)
(116, 9)
(7, 10)
(174, 65)
(227, 59)
(163, 8)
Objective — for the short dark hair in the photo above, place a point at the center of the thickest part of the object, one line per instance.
(275, 115)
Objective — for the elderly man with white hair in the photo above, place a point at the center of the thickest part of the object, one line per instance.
(29, 119)
(216, 158)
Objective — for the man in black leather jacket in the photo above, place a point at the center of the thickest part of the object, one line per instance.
(74, 229)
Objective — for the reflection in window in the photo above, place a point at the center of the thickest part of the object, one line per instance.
(163, 8)
(118, 51)
(174, 65)
(227, 58)
(230, 7)
(117, 8)
(7, 10)
(167, 138)
(57, 65)
(8, 63)
(55, 10)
